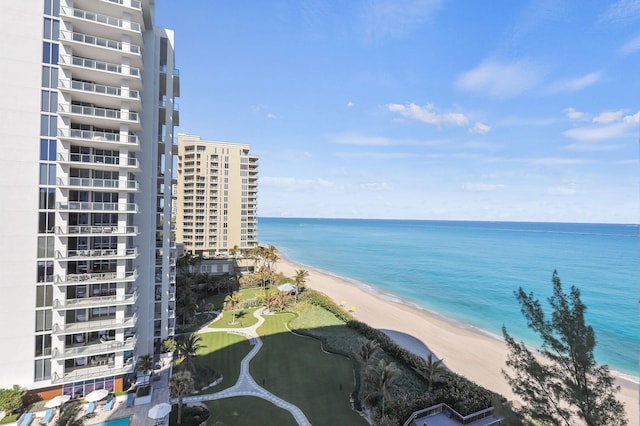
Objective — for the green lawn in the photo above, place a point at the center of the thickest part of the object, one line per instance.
(246, 410)
(244, 318)
(295, 368)
(223, 352)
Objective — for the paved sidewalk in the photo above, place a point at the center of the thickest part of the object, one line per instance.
(246, 386)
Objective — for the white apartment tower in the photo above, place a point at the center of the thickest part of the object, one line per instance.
(217, 196)
(87, 261)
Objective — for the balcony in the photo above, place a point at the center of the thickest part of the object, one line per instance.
(101, 48)
(105, 95)
(88, 230)
(96, 278)
(102, 140)
(89, 183)
(97, 254)
(92, 373)
(85, 21)
(81, 206)
(100, 116)
(95, 70)
(101, 162)
(86, 326)
(94, 349)
(96, 301)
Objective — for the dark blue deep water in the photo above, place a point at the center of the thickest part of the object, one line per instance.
(468, 271)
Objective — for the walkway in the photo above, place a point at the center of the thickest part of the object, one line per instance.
(246, 386)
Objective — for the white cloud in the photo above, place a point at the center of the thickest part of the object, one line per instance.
(349, 104)
(428, 114)
(376, 155)
(570, 188)
(290, 184)
(575, 84)
(553, 161)
(480, 128)
(271, 116)
(258, 108)
(597, 133)
(374, 186)
(575, 115)
(481, 187)
(396, 18)
(631, 46)
(621, 10)
(608, 117)
(502, 80)
(632, 119)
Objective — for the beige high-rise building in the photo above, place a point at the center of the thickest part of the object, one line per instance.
(217, 196)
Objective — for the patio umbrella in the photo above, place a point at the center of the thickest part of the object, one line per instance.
(159, 411)
(96, 395)
(57, 401)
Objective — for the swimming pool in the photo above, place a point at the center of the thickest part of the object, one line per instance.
(124, 421)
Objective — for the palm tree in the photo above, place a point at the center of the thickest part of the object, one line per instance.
(300, 279)
(69, 416)
(187, 349)
(232, 302)
(181, 384)
(271, 257)
(145, 364)
(368, 349)
(431, 370)
(381, 378)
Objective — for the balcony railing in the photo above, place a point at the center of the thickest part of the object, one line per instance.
(88, 350)
(100, 207)
(98, 65)
(96, 112)
(98, 159)
(96, 88)
(98, 183)
(102, 19)
(99, 136)
(135, 4)
(99, 42)
(96, 301)
(77, 327)
(96, 230)
(98, 253)
(96, 277)
(92, 373)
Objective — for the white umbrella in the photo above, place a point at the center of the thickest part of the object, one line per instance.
(159, 411)
(57, 401)
(96, 395)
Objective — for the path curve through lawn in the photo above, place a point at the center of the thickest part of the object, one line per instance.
(246, 386)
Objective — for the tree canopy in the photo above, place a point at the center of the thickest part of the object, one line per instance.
(11, 399)
(567, 385)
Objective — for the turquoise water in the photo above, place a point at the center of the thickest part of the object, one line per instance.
(124, 421)
(468, 271)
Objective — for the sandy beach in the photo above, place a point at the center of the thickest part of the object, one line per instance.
(465, 350)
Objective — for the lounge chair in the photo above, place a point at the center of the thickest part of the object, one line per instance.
(109, 405)
(26, 419)
(130, 398)
(91, 408)
(47, 417)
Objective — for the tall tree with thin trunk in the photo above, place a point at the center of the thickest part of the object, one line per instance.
(187, 349)
(431, 370)
(568, 384)
(380, 379)
(181, 384)
(300, 279)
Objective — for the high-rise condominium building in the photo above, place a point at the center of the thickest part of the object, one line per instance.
(217, 196)
(86, 255)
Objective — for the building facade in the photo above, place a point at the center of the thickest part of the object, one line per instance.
(87, 259)
(217, 196)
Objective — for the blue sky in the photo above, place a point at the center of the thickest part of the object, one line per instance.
(421, 109)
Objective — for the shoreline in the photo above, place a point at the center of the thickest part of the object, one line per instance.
(422, 331)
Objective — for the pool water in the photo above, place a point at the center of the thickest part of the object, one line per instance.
(124, 421)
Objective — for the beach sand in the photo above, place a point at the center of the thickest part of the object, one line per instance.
(476, 355)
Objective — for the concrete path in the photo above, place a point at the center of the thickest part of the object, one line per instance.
(246, 386)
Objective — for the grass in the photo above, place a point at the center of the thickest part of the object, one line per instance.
(9, 419)
(244, 318)
(317, 382)
(246, 410)
(222, 352)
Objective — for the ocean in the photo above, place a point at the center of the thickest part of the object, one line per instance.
(468, 271)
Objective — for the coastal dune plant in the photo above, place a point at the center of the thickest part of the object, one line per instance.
(568, 385)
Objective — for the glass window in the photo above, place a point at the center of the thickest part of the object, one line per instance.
(43, 320)
(44, 294)
(43, 345)
(45, 272)
(42, 369)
